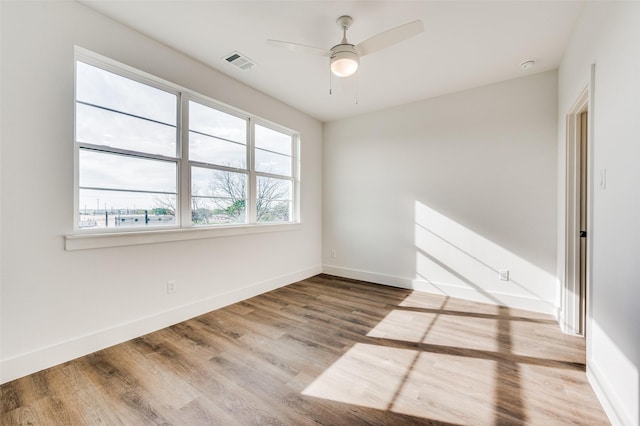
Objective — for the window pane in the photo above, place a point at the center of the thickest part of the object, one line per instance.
(216, 123)
(273, 141)
(217, 151)
(113, 171)
(99, 87)
(121, 209)
(218, 196)
(216, 211)
(274, 201)
(270, 162)
(102, 127)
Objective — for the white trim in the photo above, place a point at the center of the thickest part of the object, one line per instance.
(76, 150)
(31, 362)
(570, 312)
(252, 181)
(92, 241)
(509, 300)
(590, 212)
(297, 177)
(604, 392)
(183, 204)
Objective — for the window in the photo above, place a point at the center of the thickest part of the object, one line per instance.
(127, 137)
(274, 171)
(138, 138)
(219, 172)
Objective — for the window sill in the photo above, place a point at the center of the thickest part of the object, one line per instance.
(92, 241)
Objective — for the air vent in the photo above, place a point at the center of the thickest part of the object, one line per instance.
(240, 61)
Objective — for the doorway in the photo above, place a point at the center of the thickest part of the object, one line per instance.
(582, 226)
(576, 283)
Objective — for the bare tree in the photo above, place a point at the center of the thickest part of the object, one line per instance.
(271, 198)
(231, 191)
(165, 204)
(227, 192)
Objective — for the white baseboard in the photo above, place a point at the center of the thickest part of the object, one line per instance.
(606, 395)
(467, 293)
(40, 359)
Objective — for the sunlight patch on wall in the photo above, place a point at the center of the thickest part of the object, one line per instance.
(453, 260)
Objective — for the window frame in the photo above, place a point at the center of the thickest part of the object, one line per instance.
(295, 167)
(209, 103)
(93, 238)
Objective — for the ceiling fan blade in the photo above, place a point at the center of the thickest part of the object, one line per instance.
(390, 37)
(295, 47)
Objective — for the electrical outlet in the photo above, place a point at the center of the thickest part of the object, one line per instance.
(503, 274)
(171, 286)
(333, 253)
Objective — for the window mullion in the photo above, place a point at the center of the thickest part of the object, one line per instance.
(295, 158)
(217, 167)
(275, 176)
(252, 184)
(184, 168)
(125, 152)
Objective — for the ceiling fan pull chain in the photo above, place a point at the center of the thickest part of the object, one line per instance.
(330, 91)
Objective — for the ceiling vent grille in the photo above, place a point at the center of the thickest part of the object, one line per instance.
(240, 61)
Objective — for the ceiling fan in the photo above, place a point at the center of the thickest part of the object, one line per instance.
(345, 57)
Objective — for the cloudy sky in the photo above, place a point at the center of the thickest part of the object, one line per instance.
(120, 113)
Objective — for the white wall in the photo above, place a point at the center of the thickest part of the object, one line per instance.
(607, 35)
(441, 194)
(57, 304)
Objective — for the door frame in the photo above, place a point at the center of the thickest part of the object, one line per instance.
(574, 302)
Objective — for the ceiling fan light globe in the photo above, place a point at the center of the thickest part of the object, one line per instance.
(344, 64)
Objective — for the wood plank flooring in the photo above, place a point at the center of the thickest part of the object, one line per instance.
(324, 351)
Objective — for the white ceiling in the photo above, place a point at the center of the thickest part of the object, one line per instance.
(465, 44)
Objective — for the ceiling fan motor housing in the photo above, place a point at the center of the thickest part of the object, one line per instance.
(344, 60)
